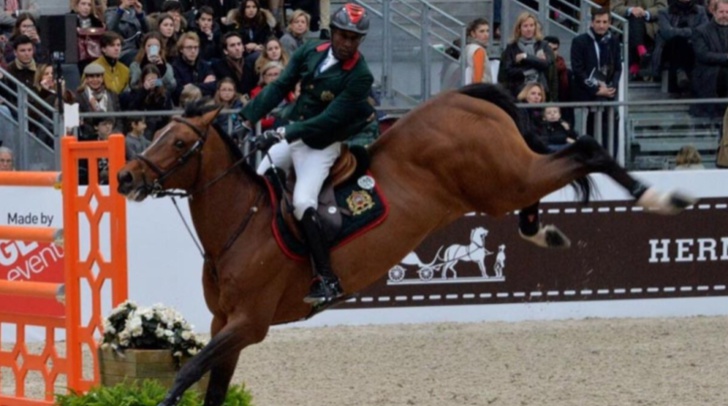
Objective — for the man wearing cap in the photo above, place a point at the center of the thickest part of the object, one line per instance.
(335, 83)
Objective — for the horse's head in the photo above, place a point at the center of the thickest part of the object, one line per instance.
(172, 161)
(478, 235)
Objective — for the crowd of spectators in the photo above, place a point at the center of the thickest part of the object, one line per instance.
(154, 55)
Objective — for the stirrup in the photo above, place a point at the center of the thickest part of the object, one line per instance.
(548, 236)
(323, 291)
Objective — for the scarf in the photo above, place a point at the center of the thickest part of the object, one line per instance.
(605, 66)
(101, 97)
(236, 66)
(531, 75)
(25, 66)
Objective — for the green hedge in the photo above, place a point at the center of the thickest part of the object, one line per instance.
(149, 393)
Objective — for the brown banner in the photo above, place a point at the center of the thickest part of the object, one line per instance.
(618, 252)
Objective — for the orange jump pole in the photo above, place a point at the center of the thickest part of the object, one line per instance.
(42, 290)
(31, 179)
(40, 234)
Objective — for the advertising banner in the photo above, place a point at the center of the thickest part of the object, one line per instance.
(618, 252)
(30, 261)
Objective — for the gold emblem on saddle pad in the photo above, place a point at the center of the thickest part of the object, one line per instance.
(327, 96)
(359, 201)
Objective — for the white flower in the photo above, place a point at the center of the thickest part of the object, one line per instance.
(159, 332)
(177, 353)
(193, 350)
(186, 335)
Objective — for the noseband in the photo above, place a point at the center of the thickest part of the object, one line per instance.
(156, 189)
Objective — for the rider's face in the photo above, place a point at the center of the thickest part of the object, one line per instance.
(345, 44)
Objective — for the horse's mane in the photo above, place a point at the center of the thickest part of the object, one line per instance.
(500, 97)
(200, 107)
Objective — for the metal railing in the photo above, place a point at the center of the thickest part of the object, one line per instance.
(26, 126)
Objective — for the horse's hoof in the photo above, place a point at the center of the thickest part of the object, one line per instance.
(548, 236)
(665, 203)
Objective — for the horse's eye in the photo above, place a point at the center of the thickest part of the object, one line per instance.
(179, 144)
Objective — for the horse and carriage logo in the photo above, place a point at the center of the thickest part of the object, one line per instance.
(442, 268)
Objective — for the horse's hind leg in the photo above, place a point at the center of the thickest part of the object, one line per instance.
(587, 151)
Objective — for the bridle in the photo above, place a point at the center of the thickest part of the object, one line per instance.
(156, 189)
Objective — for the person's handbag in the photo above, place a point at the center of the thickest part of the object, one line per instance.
(89, 43)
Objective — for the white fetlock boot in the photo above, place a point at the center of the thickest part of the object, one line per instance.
(664, 203)
(548, 236)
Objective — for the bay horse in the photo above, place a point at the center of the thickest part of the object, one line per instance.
(249, 284)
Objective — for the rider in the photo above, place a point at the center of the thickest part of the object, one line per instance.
(335, 83)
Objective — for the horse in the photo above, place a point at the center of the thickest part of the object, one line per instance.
(250, 285)
(475, 252)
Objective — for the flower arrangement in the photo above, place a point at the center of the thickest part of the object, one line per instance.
(150, 328)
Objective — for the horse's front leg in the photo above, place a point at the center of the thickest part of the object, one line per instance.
(220, 374)
(217, 354)
(481, 265)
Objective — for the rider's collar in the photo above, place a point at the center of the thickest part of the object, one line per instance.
(348, 64)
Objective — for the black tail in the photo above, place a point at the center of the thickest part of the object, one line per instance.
(500, 97)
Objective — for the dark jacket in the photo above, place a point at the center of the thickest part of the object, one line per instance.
(209, 48)
(185, 73)
(244, 85)
(332, 106)
(129, 25)
(710, 56)
(584, 65)
(140, 99)
(511, 74)
(675, 23)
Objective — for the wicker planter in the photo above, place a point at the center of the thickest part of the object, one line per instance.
(138, 365)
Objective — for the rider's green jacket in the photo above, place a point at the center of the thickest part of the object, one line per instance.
(333, 104)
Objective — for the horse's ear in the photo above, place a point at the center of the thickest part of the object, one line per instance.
(208, 117)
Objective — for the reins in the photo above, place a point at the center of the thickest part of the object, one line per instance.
(157, 190)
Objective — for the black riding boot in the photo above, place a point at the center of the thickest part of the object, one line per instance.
(326, 285)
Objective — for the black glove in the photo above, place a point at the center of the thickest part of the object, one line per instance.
(267, 139)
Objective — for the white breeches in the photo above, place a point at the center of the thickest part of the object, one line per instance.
(311, 165)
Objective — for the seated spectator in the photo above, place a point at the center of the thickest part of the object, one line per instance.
(556, 133)
(320, 12)
(129, 22)
(234, 64)
(88, 16)
(710, 74)
(116, 74)
(9, 10)
(26, 24)
(532, 93)
(6, 159)
(149, 94)
(641, 17)
(688, 158)
(528, 59)
(189, 69)
(168, 39)
(221, 9)
(23, 66)
(92, 96)
(174, 9)
(296, 31)
(152, 53)
(190, 94)
(477, 64)
(270, 72)
(208, 34)
(254, 24)
(90, 26)
(674, 45)
(228, 98)
(136, 141)
(44, 84)
(273, 52)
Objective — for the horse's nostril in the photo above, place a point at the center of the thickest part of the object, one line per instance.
(125, 179)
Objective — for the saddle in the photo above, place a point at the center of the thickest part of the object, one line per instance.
(330, 213)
